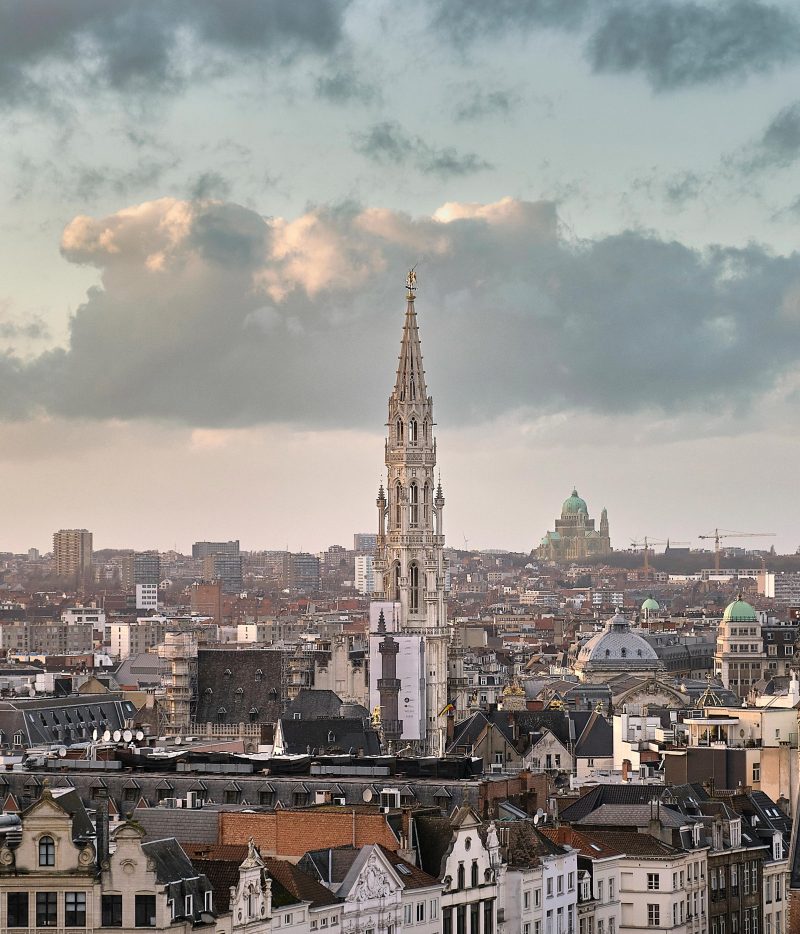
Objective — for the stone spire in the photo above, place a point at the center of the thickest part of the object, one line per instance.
(409, 386)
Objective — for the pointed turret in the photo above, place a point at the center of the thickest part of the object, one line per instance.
(410, 383)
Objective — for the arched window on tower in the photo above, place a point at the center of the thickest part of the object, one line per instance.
(396, 582)
(413, 499)
(413, 572)
(412, 431)
(425, 429)
(398, 430)
(398, 505)
(426, 504)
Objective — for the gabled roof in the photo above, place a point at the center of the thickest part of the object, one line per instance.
(580, 841)
(525, 845)
(596, 738)
(609, 794)
(631, 815)
(312, 704)
(632, 844)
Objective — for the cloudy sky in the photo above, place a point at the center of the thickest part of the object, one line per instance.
(208, 210)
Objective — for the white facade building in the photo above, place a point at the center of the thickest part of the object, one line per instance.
(365, 574)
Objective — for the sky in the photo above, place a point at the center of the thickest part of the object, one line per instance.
(207, 212)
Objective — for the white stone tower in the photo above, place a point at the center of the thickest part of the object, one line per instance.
(410, 568)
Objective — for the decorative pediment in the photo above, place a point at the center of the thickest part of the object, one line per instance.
(373, 882)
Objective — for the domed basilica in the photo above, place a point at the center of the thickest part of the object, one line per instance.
(575, 536)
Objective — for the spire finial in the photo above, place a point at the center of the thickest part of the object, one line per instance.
(411, 282)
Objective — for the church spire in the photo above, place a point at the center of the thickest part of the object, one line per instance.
(410, 383)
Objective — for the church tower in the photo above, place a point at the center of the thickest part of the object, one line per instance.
(410, 568)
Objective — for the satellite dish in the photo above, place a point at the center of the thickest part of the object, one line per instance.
(62, 751)
(117, 736)
(367, 795)
(178, 740)
(139, 736)
(536, 820)
(94, 735)
(540, 813)
(106, 736)
(127, 736)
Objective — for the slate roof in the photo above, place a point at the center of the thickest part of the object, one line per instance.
(329, 733)
(143, 670)
(609, 794)
(49, 720)
(434, 835)
(175, 871)
(596, 738)
(223, 875)
(631, 815)
(312, 704)
(184, 824)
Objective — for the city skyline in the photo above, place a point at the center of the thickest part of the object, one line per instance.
(197, 316)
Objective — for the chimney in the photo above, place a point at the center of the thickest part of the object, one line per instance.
(101, 827)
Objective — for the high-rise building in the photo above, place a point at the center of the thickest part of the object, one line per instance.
(204, 549)
(143, 567)
(304, 572)
(365, 542)
(225, 567)
(364, 577)
(410, 568)
(72, 551)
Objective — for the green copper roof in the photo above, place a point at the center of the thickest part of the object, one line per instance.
(739, 612)
(651, 605)
(573, 505)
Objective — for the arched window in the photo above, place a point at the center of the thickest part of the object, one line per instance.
(426, 504)
(414, 575)
(221, 714)
(259, 674)
(425, 430)
(462, 877)
(623, 653)
(253, 714)
(47, 851)
(397, 583)
(398, 506)
(474, 879)
(413, 499)
(398, 430)
(412, 431)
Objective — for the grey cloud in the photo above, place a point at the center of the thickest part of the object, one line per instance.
(468, 20)
(342, 83)
(683, 44)
(779, 146)
(208, 314)
(478, 103)
(673, 43)
(151, 45)
(388, 143)
(209, 184)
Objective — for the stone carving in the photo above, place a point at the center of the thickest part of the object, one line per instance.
(373, 882)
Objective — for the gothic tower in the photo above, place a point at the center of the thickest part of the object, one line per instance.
(410, 567)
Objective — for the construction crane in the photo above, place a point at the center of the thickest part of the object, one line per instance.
(717, 534)
(646, 543)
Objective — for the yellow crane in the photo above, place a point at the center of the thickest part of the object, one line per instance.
(646, 543)
(718, 534)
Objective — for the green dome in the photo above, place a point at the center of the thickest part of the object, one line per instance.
(574, 505)
(739, 612)
(651, 605)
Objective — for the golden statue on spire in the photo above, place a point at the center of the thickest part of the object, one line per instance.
(411, 279)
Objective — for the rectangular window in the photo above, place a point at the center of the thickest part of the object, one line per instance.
(526, 899)
(571, 882)
(75, 909)
(144, 911)
(111, 911)
(653, 881)
(777, 888)
(768, 889)
(420, 911)
(434, 909)
(754, 876)
(488, 917)
(653, 916)
(447, 921)
(46, 909)
(188, 906)
(611, 890)
(408, 913)
(560, 885)
(475, 918)
(537, 898)
(600, 890)
(549, 888)
(17, 905)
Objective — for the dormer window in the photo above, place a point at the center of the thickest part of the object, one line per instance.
(736, 833)
(259, 674)
(47, 851)
(188, 906)
(208, 904)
